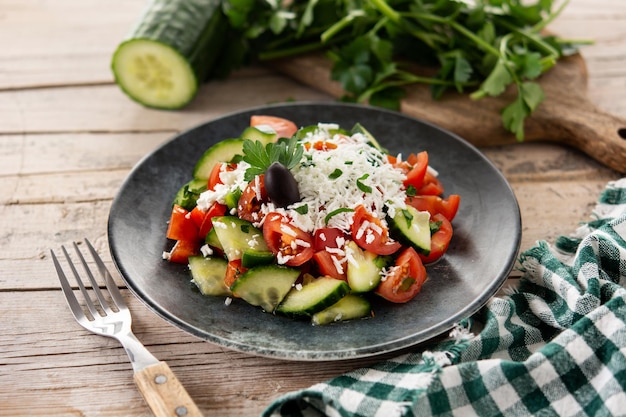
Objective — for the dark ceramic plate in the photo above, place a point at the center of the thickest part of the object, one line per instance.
(481, 254)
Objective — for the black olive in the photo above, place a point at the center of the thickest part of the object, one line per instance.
(281, 186)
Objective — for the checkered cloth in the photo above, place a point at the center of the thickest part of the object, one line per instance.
(555, 346)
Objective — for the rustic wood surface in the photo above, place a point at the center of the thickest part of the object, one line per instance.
(69, 137)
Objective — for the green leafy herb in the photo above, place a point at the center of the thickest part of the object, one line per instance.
(336, 212)
(335, 174)
(476, 47)
(408, 217)
(363, 187)
(303, 209)
(411, 191)
(286, 151)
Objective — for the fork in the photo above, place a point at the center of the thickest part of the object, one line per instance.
(109, 316)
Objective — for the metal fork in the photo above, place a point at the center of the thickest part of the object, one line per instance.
(109, 316)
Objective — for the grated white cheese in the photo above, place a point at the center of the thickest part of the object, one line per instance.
(362, 167)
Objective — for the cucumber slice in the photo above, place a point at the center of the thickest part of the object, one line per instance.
(188, 194)
(349, 307)
(259, 134)
(363, 270)
(313, 297)
(208, 274)
(223, 151)
(359, 128)
(212, 240)
(413, 228)
(265, 286)
(170, 51)
(237, 236)
(253, 257)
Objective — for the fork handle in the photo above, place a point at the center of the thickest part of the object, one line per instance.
(164, 393)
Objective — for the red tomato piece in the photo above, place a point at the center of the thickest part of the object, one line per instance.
(370, 234)
(328, 264)
(405, 280)
(214, 177)
(328, 237)
(182, 250)
(283, 127)
(216, 209)
(431, 185)
(249, 204)
(436, 205)
(440, 240)
(419, 163)
(181, 226)
(291, 245)
(234, 270)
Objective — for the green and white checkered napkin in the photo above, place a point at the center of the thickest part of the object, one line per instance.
(554, 346)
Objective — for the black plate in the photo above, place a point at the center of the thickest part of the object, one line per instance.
(482, 253)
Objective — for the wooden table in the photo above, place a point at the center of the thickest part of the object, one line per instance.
(68, 138)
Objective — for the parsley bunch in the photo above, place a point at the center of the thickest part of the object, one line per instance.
(478, 47)
(287, 152)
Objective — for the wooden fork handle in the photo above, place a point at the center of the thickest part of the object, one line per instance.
(164, 393)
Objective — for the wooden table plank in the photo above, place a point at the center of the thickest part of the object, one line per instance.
(69, 137)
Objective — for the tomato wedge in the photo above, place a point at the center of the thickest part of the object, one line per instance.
(440, 240)
(436, 205)
(182, 250)
(419, 163)
(234, 270)
(430, 186)
(181, 226)
(328, 264)
(249, 204)
(328, 237)
(291, 245)
(405, 279)
(370, 234)
(203, 219)
(283, 127)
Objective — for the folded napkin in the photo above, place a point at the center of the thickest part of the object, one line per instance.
(556, 345)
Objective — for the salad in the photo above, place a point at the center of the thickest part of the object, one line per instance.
(310, 222)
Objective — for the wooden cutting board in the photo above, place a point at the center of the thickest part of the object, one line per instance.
(566, 116)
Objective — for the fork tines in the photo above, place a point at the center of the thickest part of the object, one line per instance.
(102, 306)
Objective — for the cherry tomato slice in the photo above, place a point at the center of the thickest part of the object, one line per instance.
(405, 280)
(234, 270)
(182, 250)
(283, 127)
(328, 264)
(436, 205)
(328, 237)
(217, 209)
(181, 226)
(370, 234)
(291, 245)
(419, 163)
(431, 185)
(439, 241)
(249, 204)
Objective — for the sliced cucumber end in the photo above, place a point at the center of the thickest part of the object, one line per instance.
(154, 74)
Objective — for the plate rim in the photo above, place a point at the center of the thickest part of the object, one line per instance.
(286, 354)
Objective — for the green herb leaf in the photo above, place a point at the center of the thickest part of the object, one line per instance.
(363, 187)
(335, 174)
(336, 212)
(303, 209)
(288, 152)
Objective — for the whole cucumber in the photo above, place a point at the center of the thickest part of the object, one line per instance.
(170, 51)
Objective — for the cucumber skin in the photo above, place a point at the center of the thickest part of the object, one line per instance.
(350, 307)
(253, 285)
(288, 308)
(190, 28)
